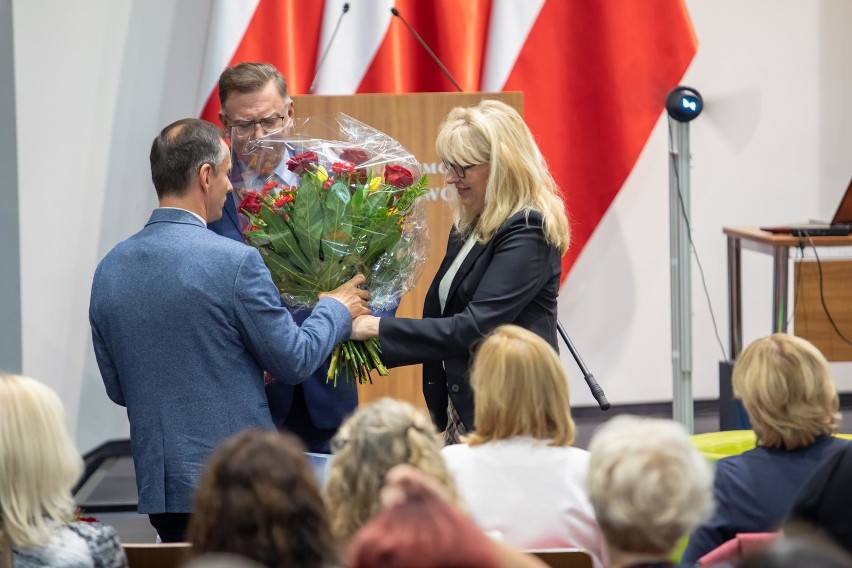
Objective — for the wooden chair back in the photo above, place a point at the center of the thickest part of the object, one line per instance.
(150, 555)
(564, 558)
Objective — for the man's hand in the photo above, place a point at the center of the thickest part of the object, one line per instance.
(351, 296)
(365, 327)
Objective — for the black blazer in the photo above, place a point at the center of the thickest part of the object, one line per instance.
(514, 278)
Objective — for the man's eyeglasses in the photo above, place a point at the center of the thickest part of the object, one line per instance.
(460, 171)
(269, 125)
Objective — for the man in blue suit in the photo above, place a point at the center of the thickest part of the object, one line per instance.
(184, 322)
(254, 102)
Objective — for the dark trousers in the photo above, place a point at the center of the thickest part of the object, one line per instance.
(298, 421)
(170, 526)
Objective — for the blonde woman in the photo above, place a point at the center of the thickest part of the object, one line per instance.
(649, 487)
(502, 265)
(377, 437)
(517, 473)
(39, 465)
(788, 392)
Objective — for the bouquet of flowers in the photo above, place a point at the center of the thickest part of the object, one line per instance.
(354, 208)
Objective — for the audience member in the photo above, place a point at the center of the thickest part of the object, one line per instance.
(370, 442)
(39, 465)
(420, 529)
(258, 498)
(787, 389)
(517, 473)
(649, 487)
(825, 500)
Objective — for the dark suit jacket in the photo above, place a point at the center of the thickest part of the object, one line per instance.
(514, 278)
(183, 324)
(754, 491)
(327, 405)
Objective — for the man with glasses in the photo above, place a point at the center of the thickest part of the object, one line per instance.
(255, 103)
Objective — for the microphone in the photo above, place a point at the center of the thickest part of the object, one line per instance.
(328, 48)
(596, 389)
(422, 43)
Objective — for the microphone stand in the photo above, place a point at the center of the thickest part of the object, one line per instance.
(328, 48)
(431, 53)
(596, 389)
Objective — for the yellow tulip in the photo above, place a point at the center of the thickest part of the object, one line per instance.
(322, 174)
(375, 183)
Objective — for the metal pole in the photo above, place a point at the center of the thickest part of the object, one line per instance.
(681, 282)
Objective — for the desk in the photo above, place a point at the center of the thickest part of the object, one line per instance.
(778, 246)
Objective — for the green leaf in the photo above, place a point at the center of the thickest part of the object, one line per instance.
(384, 235)
(337, 231)
(307, 220)
(412, 192)
(283, 240)
(283, 271)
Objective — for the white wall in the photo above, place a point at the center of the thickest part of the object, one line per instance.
(772, 147)
(97, 79)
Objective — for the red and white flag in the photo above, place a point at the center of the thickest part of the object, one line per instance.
(594, 74)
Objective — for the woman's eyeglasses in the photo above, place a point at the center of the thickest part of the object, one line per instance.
(460, 171)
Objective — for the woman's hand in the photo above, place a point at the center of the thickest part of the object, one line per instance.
(365, 327)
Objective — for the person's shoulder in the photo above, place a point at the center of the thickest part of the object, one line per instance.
(93, 530)
(528, 222)
(455, 451)
(457, 455)
(525, 217)
(731, 464)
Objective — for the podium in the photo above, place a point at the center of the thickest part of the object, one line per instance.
(414, 120)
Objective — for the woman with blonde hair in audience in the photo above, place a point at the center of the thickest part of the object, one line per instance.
(649, 487)
(258, 498)
(518, 473)
(39, 465)
(786, 386)
(377, 437)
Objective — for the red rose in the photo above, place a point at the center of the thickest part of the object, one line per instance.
(346, 168)
(301, 163)
(355, 155)
(398, 176)
(251, 203)
(327, 183)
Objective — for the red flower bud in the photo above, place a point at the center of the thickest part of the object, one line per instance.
(355, 155)
(302, 163)
(345, 168)
(251, 203)
(283, 200)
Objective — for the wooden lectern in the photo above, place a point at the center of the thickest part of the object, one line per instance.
(414, 120)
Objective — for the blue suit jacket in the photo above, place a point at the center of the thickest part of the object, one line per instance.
(183, 323)
(754, 492)
(327, 405)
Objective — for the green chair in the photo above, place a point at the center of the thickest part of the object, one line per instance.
(717, 445)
